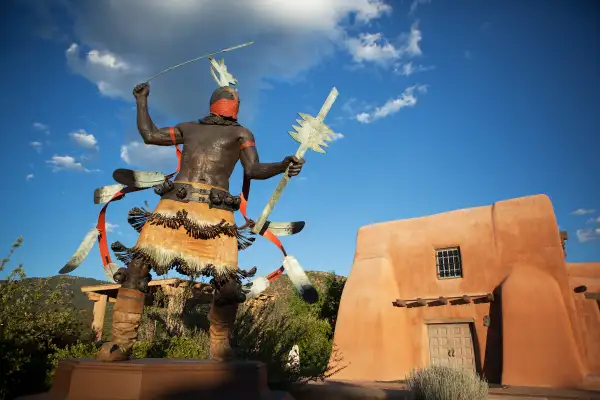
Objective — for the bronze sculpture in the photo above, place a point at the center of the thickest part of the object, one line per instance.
(192, 229)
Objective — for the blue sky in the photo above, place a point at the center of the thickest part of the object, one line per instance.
(442, 105)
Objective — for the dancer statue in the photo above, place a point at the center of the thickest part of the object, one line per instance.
(192, 230)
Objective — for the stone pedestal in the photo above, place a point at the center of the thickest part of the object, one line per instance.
(159, 379)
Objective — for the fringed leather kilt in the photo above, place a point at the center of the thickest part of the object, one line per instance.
(188, 232)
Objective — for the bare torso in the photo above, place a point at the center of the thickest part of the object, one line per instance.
(210, 153)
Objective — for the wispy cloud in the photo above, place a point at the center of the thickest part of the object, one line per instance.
(111, 227)
(84, 139)
(594, 220)
(142, 155)
(29, 177)
(392, 106)
(377, 49)
(415, 4)
(409, 68)
(41, 127)
(37, 146)
(372, 47)
(67, 163)
(467, 54)
(583, 211)
(586, 235)
(412, 47)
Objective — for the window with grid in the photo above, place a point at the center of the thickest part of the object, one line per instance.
(449, 263)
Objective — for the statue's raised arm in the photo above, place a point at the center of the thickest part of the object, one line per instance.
(148, 130)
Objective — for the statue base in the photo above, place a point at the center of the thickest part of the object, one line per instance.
(160, 379)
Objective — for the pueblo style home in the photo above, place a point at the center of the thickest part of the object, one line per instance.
(486, 288)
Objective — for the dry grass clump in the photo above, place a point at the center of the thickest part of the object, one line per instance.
(438, 382)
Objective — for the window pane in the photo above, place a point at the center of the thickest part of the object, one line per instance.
(448, 263)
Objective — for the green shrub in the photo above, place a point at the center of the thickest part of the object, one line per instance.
(269, 332)
(437, 382)
(35, 319)
(195, 346)
(77, 350)
(150, 348)
(39, 327)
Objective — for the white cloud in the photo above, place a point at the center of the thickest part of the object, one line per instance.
(392, 106)
(158, 158)
(290, 38)
(408, 68)
(67, 163)
(353, 106)
(84, 139)
(106, 59)
(372, 47)
(375, 48)
(41, 127)
(415, 4)
(336, 136)
(111, 227)
(29, 177)
(583, 211)
(102, 68)
(37, 146)
(586, 235)
(594, 220)
(412, 47)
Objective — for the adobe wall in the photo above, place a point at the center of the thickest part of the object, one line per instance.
(503, 248)
(588, 311)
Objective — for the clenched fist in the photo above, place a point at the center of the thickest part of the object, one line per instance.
(295, 165)
(141, 91)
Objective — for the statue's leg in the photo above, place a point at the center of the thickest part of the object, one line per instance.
(223, 310)
(127, 313)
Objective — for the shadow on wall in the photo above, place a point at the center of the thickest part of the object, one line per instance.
(492, 364)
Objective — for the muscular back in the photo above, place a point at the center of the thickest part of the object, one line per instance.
(210, 153)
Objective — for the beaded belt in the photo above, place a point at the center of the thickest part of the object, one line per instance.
(184, 193)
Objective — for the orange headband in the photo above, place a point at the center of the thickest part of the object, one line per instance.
(225, 108)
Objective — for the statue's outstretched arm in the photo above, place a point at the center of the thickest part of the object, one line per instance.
(253, 168)
(148, 130)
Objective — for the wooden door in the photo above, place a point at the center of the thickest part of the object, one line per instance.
(451, 345)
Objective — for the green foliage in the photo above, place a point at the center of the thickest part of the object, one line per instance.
(268, 334)
(327, 306)
(195, 346)
(76, 350)
(35, 318)
(438, 382)
(40, 327)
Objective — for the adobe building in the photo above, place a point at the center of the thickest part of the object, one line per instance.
(486, 288)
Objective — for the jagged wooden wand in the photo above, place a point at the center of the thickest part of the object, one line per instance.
(311, 134)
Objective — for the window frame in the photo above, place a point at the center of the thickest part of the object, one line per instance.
(440, 256)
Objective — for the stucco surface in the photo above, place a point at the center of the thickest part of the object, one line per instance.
(540, 332)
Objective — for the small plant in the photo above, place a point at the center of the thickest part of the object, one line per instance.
(77, 350)
(438, 382)
(194, 346)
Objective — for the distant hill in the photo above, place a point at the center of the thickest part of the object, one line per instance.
(283, 286)
(74, 283)
(280, 289)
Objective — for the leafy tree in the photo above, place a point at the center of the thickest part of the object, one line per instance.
(34, 319)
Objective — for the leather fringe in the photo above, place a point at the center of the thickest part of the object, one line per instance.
(138, 217)
(219, 275)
